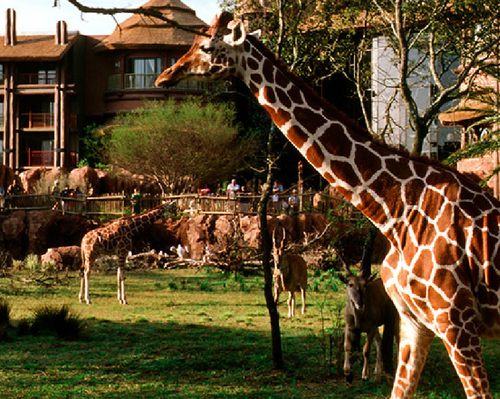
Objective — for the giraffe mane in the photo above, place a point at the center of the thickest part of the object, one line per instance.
(352, 125)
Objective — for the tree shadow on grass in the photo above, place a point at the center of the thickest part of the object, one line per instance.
(145, 359)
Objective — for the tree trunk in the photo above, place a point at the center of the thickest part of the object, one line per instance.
(266, 255)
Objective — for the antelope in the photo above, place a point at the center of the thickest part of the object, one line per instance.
(368, 307)
(290, 274)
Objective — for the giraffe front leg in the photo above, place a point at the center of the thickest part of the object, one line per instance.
(414, 344)
(121, 286)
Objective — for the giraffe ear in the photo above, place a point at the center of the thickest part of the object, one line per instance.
(256, 34)
(238, 33)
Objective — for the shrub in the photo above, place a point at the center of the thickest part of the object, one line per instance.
(53, 319)
(4, 319)
(32, 263)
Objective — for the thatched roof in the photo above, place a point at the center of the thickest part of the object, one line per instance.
(35, 47)
(144, 31)
(466, 112)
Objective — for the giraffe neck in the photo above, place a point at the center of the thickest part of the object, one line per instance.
(137, 222)
(336, 146)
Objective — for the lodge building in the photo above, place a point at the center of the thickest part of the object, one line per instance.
(53, 86)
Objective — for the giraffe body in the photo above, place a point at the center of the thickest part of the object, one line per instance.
(114, 238)
(442, 270)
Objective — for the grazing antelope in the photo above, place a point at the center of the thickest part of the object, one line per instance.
(290, 274)
(368, 307)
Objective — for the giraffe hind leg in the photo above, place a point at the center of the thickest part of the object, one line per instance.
(468, 361)
(84, 286)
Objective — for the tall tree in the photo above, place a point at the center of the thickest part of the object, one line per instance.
(180, 145)
(429, 40)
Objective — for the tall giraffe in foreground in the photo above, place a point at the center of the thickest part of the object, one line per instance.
(442, 269)
(114, 238)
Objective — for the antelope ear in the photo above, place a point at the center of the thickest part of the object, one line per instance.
(238, 33)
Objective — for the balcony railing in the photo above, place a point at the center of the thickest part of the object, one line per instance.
(40, 158)
(35, 158)
(39, 78)
(37, 120)
(140, 80)
(134, 81)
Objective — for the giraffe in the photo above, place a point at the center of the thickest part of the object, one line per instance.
(115, 237)
(442, 269)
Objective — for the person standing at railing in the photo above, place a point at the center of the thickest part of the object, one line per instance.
(56, 192)
(136, 202)
(15, 188)
(66, 193)
(233, 188)
(293, 202)
(277, 189)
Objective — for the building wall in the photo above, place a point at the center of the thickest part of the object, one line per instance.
(389, 113)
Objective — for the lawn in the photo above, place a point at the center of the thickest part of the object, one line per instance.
(193, 334)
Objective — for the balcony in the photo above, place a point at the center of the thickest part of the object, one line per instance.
(38, 78)
(43, 120)
(138, 81)
(32, 158)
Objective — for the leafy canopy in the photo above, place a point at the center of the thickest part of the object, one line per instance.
(180, 144)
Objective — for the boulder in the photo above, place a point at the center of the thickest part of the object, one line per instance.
(65, 258)
(13, 236)
(86, 178)
(51, 229)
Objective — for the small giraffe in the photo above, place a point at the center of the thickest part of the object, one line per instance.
(443, 267)
(116, 238)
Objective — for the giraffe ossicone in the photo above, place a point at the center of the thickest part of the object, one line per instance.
(442, 270)
(115, 238)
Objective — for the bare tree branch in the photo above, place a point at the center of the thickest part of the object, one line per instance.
(149, 12)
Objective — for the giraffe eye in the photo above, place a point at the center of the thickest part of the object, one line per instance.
(207, 48)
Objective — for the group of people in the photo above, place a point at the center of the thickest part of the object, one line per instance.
(13, 189)
(61, 201)
(277, 204)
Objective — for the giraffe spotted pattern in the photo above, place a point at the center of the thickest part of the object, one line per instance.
(442, 269)
(115, 238)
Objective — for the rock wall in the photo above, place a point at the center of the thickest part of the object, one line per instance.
(35, 232)
(91, 181)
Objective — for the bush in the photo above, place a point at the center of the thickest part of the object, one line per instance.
(53, 319)
(4, 319)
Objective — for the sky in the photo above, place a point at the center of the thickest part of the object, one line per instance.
(40, 16)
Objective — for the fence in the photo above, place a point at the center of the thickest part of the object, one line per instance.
(120, 205)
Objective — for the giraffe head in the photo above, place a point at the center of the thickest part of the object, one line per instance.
(212, 55)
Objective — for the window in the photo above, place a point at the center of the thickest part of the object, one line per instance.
(142, 72)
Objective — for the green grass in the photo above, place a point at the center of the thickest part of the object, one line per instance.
(192, 334)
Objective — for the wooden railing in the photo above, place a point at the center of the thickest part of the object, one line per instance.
(120, 205)
(33, 158)
(37, 120)
(38, 78)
